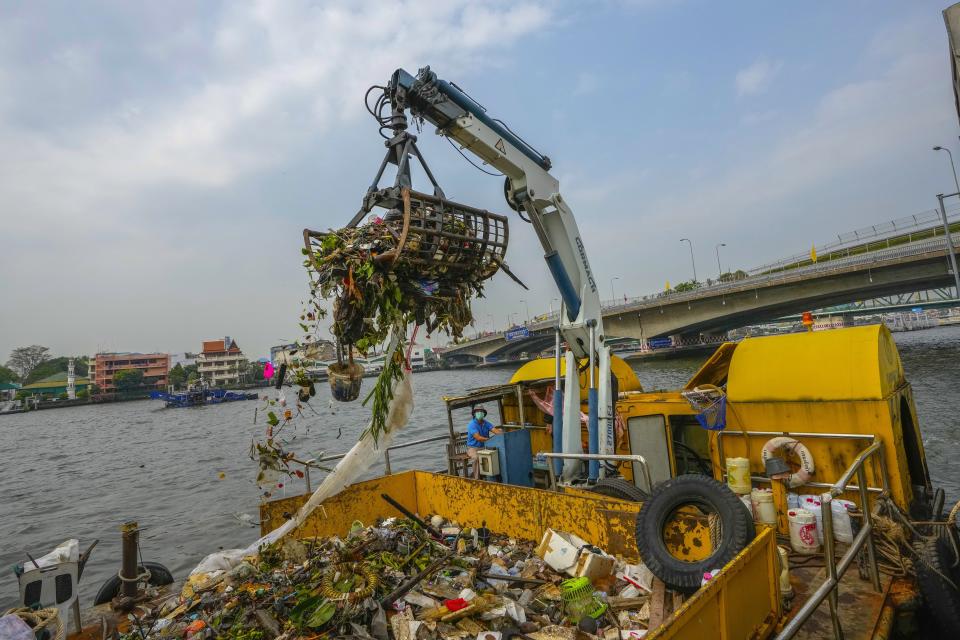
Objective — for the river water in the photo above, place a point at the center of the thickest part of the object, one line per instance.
(186, 477)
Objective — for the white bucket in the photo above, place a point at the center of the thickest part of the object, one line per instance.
(738, 475)
(842, 526)
(803, 531)
(812, 504)
(763, 508)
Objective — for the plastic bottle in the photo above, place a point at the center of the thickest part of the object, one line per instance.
(842, 524)
(738, 475)
(803, 531)
(812, 504)
(786, 589)
(763, 508)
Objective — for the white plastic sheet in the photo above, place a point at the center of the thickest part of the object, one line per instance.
(353, 465)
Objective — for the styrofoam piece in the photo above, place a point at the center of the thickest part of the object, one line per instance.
(560, 549)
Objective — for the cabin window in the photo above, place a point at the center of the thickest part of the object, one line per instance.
(691, 445)
(648, 437)
(64, 587)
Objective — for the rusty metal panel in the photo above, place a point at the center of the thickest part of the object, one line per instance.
(742, 602)
(526, 513)
(505, 509)
(608, 523)
(360, 501)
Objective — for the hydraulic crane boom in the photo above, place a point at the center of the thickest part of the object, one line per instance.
(529, 187)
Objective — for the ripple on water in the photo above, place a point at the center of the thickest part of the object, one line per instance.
(187, 511)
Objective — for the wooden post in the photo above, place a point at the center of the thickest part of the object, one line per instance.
(129, 536)
(658, 604)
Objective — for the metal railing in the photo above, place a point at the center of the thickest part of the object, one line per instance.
(599, 456)
(867, 438)
(829, 589)
(795, 272)
(315, 462)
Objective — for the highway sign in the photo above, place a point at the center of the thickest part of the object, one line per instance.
(517, 333)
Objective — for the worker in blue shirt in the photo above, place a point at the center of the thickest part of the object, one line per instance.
(478, 432)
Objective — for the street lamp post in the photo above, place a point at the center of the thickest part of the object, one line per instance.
(946, 225)
(692, 261)
(719, 268)
(552, 300)
(527, 307)
(613, 296)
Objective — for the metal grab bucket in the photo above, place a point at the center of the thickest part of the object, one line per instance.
(345, 380)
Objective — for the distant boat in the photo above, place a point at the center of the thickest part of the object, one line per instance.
(198, 396)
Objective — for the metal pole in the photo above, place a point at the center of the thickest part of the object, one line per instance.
(693, 263)
(556, 466)
(129, 534)
(613, 295)
(868, 520)
(950, 248)
(719, 268)
(386, 462)
(593, 426)
(830, 558)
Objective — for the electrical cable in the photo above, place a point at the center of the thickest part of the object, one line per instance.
(476, 166)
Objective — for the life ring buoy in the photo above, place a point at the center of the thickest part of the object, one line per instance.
(791, 445)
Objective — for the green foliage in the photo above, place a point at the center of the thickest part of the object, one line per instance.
(8, 375)
(23, 360)
(177, 376)
(63, 396)
(686, 286)
(57, 365)
(84, 394)
(128, 379)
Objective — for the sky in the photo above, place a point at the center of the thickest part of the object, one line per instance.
(162, 159)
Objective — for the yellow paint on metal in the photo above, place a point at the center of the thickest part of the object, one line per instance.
(686, 535)
(516, 511)
(858, 363)
(741, 602)
(543, 368)
(714, 370)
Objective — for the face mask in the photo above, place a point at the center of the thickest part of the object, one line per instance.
(479, 415)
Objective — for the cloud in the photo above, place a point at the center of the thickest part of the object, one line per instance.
(119, 137)
(756, 78)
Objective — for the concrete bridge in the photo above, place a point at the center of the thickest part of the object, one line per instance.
(901, 268)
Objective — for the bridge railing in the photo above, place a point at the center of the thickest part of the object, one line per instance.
(799, 273)
(789, 270)
(925, 221)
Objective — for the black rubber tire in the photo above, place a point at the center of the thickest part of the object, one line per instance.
(620, 488)
(159, 576)
(942, 599)
(737, 528)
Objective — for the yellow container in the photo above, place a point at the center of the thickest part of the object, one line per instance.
(738, 475)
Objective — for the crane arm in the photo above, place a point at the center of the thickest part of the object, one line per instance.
(529, 186)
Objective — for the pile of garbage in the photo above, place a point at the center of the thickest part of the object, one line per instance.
(402, 581)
